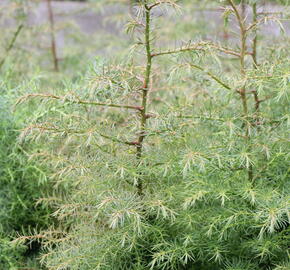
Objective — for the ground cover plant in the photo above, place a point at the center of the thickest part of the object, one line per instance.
(172, 157)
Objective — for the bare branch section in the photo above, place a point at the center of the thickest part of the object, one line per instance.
(78, 101)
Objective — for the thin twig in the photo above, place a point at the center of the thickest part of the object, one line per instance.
(11, 45)
(219, 81)
(78, 101)
(73, 131)
(160, 3)
(201, 46)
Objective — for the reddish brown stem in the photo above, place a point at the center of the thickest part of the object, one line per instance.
(145, 89)
(52, 35)
(243, 49)
(201, 46)
(79, 101)
(254, 55)
(243, 38)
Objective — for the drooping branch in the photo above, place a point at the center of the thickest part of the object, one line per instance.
(78, 101)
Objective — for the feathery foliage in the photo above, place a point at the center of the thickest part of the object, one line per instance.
(173, 158)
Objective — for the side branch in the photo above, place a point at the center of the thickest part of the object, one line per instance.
(162, 2)
(219, 81)
(228, 51)
(260, 21)
(72, 131)
(196, 47)
(202, 46)
(78, 101)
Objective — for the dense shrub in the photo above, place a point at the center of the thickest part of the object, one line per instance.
(22, 183)
(10, 255)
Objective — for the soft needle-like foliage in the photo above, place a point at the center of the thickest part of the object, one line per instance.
(173, 159)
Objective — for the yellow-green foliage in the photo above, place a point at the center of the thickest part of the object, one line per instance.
(173, 157)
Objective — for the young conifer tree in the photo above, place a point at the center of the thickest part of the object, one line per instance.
(174, 159)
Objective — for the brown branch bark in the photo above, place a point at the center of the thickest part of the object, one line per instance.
(145, 90)
(201, 46)
(52, 35)
(78, 101)
(242, 91)
(254, 56)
